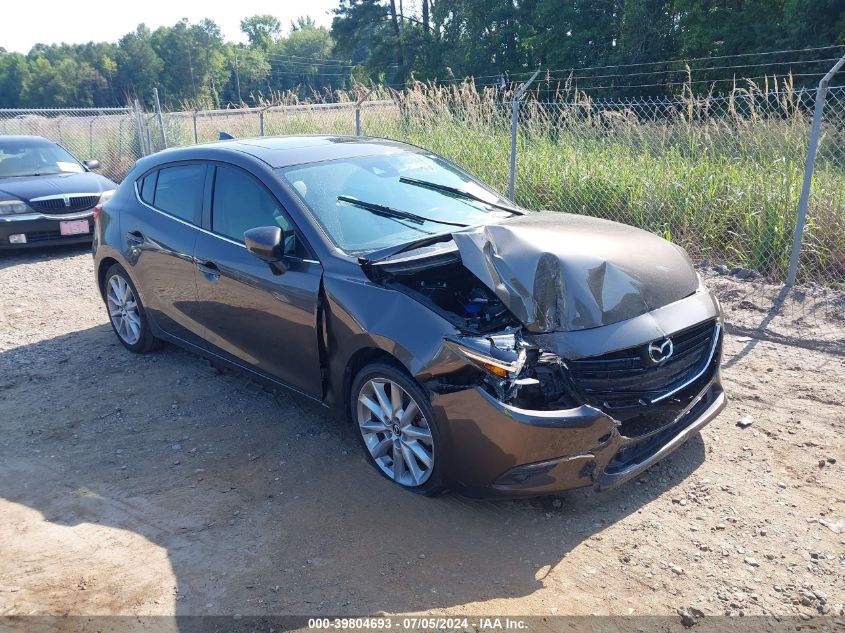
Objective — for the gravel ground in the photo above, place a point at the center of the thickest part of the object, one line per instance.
(160, 485)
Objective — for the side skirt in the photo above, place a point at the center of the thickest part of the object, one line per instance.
(254, 373)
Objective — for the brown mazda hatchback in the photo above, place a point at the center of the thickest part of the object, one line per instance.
(473, 344)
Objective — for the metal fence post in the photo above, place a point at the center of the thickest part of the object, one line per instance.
(160, 118)
(91, 138)
(196, 133)
(120, 137)
(514, 118)
(261, 121)
(357, 119)
(809, 167)
(358, 104)
(139, 128)
(149, 139)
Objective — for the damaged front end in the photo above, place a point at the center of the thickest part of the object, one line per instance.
(530, 421)
(551, 379)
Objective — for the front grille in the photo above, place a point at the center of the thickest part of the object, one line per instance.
(628, 378)
(640, 450)
(42, 236)
(643, 395)
(57, 205)
(48, 236)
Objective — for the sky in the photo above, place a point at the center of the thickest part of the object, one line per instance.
(52, 22)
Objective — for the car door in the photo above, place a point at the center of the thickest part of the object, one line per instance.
(253, 314)
(161, 233)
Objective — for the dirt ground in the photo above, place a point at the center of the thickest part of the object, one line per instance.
(160, 485)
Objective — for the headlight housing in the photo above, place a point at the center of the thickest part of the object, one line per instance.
(107, 195)
(12, 207)
(501, 355)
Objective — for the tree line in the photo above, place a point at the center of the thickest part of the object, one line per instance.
(190, 64)
(604, 47)
(614, 43)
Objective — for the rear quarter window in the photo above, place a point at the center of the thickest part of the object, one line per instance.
(147, 188)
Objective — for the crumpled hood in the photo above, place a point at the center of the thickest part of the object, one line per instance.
(565, 272)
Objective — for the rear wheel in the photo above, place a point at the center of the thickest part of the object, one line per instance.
(126, 313)
(396, 426)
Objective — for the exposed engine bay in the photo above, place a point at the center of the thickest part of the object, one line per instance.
(457, 294)
(514, 365)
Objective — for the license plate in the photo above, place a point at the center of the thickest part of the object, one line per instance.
(73, 227)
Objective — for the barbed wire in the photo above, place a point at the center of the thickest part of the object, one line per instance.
(738, 80)
(684, 60)
(284, 60)
(707, 68)
(506, 75)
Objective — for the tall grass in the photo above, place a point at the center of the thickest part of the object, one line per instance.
(720, 176)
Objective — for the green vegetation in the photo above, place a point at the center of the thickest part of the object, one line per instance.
(386, 42)
(190, 64)
(723, 184)
(718, 170)
(720, 177)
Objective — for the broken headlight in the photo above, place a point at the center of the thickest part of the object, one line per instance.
(501, 355)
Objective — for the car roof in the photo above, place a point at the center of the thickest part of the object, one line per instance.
(284, 151)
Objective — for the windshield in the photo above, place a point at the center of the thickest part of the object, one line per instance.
(35, 159)
(394, 208)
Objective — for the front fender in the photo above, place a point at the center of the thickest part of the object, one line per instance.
(361, 315)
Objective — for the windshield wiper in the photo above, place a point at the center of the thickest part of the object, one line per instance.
(39, 173)
(385, 253)
(458, 193)
(396, 214)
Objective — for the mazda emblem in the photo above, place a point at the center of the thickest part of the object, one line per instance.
(660, 351)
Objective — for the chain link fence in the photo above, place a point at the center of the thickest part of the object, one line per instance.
(720, 175)
(109, 135)
(176, 129)
(822, 255)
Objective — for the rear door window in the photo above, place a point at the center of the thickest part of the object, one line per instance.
(179, 191)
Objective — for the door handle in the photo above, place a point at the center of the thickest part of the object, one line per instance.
(209, 269)
(135, 238)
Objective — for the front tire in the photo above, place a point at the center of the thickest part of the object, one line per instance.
(395, 423)
(126, 312)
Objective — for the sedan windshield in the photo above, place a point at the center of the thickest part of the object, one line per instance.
(35, 159)
(373, 202)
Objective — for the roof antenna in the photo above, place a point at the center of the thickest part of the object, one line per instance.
(225, 136)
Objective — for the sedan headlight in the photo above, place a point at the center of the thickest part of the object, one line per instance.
(501, 355)
(107, 195)
(12, 207)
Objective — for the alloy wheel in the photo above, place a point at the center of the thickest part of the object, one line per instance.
(123, 310)
(395, 432)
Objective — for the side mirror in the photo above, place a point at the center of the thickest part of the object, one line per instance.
(267, 244)
(91, 164)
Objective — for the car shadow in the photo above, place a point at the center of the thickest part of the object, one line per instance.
(262, 502)
(15, 257)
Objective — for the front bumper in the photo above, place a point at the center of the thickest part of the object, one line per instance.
(498, 450)
(43, 230)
